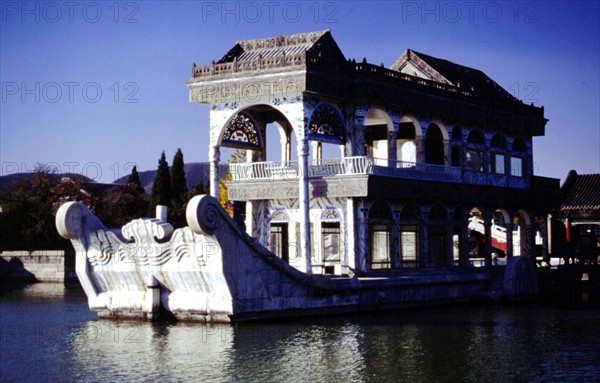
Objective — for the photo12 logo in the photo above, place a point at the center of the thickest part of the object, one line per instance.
(270, 11)
(53, 92)
(91, 170)
(68, 12)
(469, 11)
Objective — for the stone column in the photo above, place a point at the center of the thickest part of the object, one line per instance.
(214, 157)
(395, 246)
(392, 137)
(283, 142)
(362, 239)
(424, 242)
(464, 245)
(446, 152)
(549, 235)
(509, 240)
(358, 148)
(487, 252)
(349, 249)
(527, 241)
(304, 204)
(420, 157)
(262, 129)
(450, 244)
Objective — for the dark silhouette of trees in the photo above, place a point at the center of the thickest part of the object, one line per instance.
(29, 207)
(135, 182)
(161, 187)
(179, 191)
(123, 203)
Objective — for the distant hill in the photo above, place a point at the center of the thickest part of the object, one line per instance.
(194, 172)
(10, 179)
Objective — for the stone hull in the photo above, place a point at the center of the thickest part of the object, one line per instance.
(212, 271)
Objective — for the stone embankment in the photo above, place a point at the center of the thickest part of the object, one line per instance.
(37, 266)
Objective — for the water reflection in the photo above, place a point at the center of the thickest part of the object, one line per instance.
(48, 334)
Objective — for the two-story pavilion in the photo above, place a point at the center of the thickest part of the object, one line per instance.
(423, 149)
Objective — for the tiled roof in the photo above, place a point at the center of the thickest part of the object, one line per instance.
(581, 192)
(247, 50)
(446, 71)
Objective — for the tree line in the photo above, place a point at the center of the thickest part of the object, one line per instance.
(28, 206)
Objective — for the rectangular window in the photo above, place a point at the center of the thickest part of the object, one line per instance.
(278, 240)
(380, 247)
(474, 160)
(498, 163)
(330, 237)
(516, 166)
(408, 248)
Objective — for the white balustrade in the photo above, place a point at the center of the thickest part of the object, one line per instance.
(347, 165)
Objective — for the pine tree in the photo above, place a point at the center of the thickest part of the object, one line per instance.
(179, 190)
(161, 187)
(200, 189)
(134, 181)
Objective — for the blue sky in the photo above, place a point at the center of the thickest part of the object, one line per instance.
(95, 87)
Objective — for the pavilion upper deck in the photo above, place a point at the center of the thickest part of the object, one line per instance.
(364, 165)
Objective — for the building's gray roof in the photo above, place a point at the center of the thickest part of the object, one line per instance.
(288, 45)
(581, 192)
(447, 72)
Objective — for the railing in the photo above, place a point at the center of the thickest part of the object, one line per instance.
(375, 70)
(262, 63)
(264, 170)
(345, 166)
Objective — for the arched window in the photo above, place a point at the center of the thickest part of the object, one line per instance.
(326, 124)
(434, 145)
(406, 149)
(474, 155)
(242, 132)
(457, 147)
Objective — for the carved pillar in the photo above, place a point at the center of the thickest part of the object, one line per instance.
(527, 239)
(424, 241)
(252, 206)
(304, 201)
(283, 142)
(214, 157)
(549, 235)
(487, 252)
(395, 246)
(362, 240)
(262, 222)
(359, 134)
(419, 147)
(450, 244)
(342, 151)
(509, 240)
(317, 152)
(250, 217)
(262, 129)
(464, 245)
(392, 137)
(446, 152)
(349, 248)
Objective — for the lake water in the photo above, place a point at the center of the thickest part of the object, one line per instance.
(49, 335)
